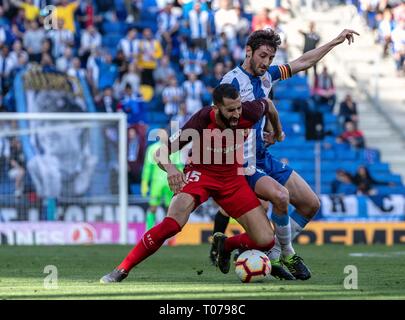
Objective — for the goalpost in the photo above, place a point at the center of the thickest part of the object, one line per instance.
(69, 158)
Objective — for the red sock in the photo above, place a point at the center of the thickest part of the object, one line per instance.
(151, 241)
(243, 241)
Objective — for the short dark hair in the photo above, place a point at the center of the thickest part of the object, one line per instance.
(265, 37)
(222, 91)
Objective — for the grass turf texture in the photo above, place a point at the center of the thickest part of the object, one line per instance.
(184, 273)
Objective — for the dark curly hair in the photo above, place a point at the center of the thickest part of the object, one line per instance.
(224, 90)
(265, 37)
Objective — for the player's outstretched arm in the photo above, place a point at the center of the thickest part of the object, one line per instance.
(310, 58)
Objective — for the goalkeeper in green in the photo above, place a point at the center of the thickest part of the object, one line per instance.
(154, 181)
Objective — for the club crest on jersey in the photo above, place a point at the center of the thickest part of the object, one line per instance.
(266, 82)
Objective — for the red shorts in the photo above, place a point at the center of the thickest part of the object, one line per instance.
(231, 192)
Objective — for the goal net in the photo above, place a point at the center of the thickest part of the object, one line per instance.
(57, 169)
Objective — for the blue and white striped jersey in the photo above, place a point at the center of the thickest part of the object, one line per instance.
(252, 88)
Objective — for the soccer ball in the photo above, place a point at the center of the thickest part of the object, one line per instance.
(252, 266)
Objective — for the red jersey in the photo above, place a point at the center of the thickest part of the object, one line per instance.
(215, 149)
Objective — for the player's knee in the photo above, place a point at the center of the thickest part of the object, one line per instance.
(311, 207)
(282, 198)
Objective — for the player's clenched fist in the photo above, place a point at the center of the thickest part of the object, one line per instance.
(176, 180)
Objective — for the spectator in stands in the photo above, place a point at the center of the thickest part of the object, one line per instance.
(64, 62)
(108, 71)
(168, 26)
(311, 40)
(352, 136)
(3, 35)
(18, 25)
(182, 116)
(17, 166)
(4, 148)
(47, 63)
(281, 53)
(4, 21)
(370, 9)
(46, 46)
(214, 79)
(226, 58)
(199, 26)
(31, 11)
(6, 65)
(132, 78)
(90, 39)
(21, 63)
(193, 60)
(162, 74)
(226, 20)
(76, 70)
(150, 52)
(365, 182)
(399, 11)
(61, 38)
(66, 11)
(134, 160)
(133, 8)
(324, 91)
(106, 102)
(172, 96)
(17, 53)
(343, 183)
(385, 28)
(133, 105)
(348, 111)
(121, 62)
(262, 20)
(242, 27)
(129, 44)
(194, 90)
(87, 14)
(33, 38)
(92, 68)
(398, 40)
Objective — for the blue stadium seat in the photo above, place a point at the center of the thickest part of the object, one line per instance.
(111, 40)
(118, 27)
(284, 105)
(388, 177)
(328, 155)
(380, 167)
(135, 188)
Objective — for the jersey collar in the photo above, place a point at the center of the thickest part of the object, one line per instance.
(251, 76)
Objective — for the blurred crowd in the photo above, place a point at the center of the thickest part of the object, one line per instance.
(386, 18)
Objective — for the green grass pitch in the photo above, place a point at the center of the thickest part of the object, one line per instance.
(183, 272)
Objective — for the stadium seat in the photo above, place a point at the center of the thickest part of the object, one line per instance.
(146, 92)
(135, 188)
(117, 27)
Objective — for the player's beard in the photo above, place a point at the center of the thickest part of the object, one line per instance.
(227, 122)
(256, 70)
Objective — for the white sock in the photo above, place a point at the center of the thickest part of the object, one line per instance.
(283, 237)
(283, 234)
(274, 253)
(295, 229)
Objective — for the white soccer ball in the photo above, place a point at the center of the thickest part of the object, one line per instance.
(252, 266)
